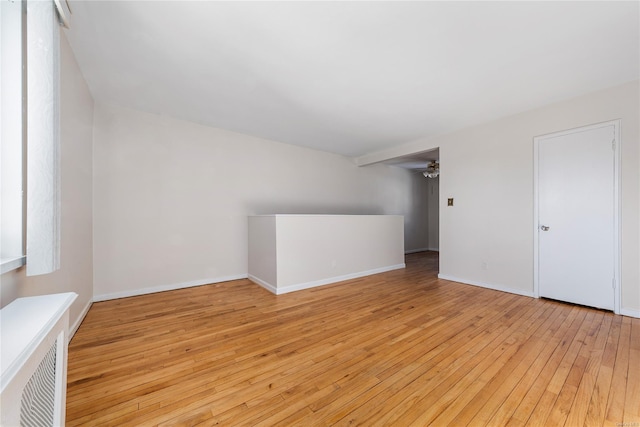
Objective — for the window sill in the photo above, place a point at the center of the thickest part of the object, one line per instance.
(10, 264)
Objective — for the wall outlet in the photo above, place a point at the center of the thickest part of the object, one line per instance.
(450, 201)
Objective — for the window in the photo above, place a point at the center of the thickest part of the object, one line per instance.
(43, 137)
(12, 123)
(30, 107)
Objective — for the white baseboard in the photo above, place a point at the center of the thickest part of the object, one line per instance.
(300, 286)
(629, 312)
(487, 285)
(74, 328)
(268, 286)
(170, 287)
(623, 311)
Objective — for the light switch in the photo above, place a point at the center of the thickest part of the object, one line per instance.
(450, 201)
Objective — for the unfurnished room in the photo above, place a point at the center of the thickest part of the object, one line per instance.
(319, 213)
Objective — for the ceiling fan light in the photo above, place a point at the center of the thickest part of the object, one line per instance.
(433, 170)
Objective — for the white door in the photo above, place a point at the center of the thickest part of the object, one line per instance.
(576, 215)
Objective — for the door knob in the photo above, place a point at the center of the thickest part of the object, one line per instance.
(544, 228)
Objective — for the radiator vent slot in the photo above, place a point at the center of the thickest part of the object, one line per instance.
(39, 395)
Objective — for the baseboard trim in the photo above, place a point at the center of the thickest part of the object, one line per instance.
(629, 312)
(170, 287)
(486, 285)
(74, 328)
(335, 279)
(307, 285)
(268, 286)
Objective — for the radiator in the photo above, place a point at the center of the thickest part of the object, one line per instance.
(33, 348)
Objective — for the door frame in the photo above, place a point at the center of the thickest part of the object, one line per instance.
(616, 205)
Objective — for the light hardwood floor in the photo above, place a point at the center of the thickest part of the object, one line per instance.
(399, 348)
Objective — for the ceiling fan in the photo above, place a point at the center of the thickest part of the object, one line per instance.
(433, 169)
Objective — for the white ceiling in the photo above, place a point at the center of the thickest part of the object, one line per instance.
(350, 77)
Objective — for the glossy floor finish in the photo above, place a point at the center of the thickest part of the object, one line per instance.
(399, 348)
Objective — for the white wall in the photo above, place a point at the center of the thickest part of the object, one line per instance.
(292, 252)
(488, 169)
(263, 249)
(418, 218)
(171, 198)
(312, 248)
(76, 259)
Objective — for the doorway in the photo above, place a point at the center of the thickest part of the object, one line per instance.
(425, 170)
(576, 216)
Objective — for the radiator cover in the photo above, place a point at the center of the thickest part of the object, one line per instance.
(34, 360)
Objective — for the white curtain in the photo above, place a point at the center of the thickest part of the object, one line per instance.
(43, 138)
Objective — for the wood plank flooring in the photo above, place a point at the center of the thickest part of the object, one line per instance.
(400, 348)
